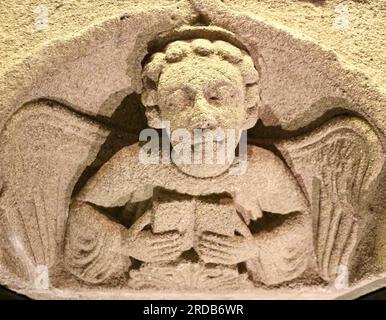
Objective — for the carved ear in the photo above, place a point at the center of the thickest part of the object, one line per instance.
(252, 101)
(149, 95)
(251, 119)
(153, 115)
(150, 77)
(149, 100)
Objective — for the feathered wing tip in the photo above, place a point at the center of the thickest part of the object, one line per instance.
(338, 166)
(44, 149)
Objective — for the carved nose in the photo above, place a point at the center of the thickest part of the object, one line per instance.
(203, 118)
(206, 123)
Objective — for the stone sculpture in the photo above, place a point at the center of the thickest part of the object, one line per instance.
(294, 210)
(204, 85)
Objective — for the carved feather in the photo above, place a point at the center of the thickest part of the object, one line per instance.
(44, 149)
(337, 166)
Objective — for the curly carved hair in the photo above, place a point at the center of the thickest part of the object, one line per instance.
(178, 50)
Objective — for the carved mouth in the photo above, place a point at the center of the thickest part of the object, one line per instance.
(215, 141)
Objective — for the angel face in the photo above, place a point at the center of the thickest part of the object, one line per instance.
(203, 93)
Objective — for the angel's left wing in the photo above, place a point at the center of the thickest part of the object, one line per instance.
(338, 166)
(44, 149)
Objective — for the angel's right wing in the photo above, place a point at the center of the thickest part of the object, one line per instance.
(44, 149)
(337, 166)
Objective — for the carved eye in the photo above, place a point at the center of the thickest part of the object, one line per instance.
(220, 95)
(214, 97)
(179, 99)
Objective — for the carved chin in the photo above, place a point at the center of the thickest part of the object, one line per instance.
(203, 170)
(208, 166)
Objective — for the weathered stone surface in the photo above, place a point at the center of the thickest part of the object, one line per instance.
(295, 210)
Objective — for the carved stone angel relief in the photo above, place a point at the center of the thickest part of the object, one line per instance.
(288, 211)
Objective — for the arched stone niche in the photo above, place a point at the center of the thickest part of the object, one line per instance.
(67, 112)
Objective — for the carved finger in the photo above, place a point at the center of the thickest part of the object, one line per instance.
(212, 248)
(167, 237)
(167, 247)
(215, 258)
(157, 243)
(166, 256)
(223, 240)
(212, 243)
(175, 252)
(211, 258)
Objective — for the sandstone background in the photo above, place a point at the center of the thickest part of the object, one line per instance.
(361, 46)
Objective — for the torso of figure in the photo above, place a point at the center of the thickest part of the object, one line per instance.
(266, 185)
(208, 216)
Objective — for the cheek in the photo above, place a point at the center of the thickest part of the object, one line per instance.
(233, 116)
(176, 119)
(236, 111)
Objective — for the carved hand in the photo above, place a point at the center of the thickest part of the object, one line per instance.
(149, 247)
(219, 249)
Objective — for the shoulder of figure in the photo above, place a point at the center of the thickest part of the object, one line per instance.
(128, 153)
(262, 159)
(118, 178)
(271, 181)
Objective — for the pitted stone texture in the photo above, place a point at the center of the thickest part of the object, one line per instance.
(294, 218)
